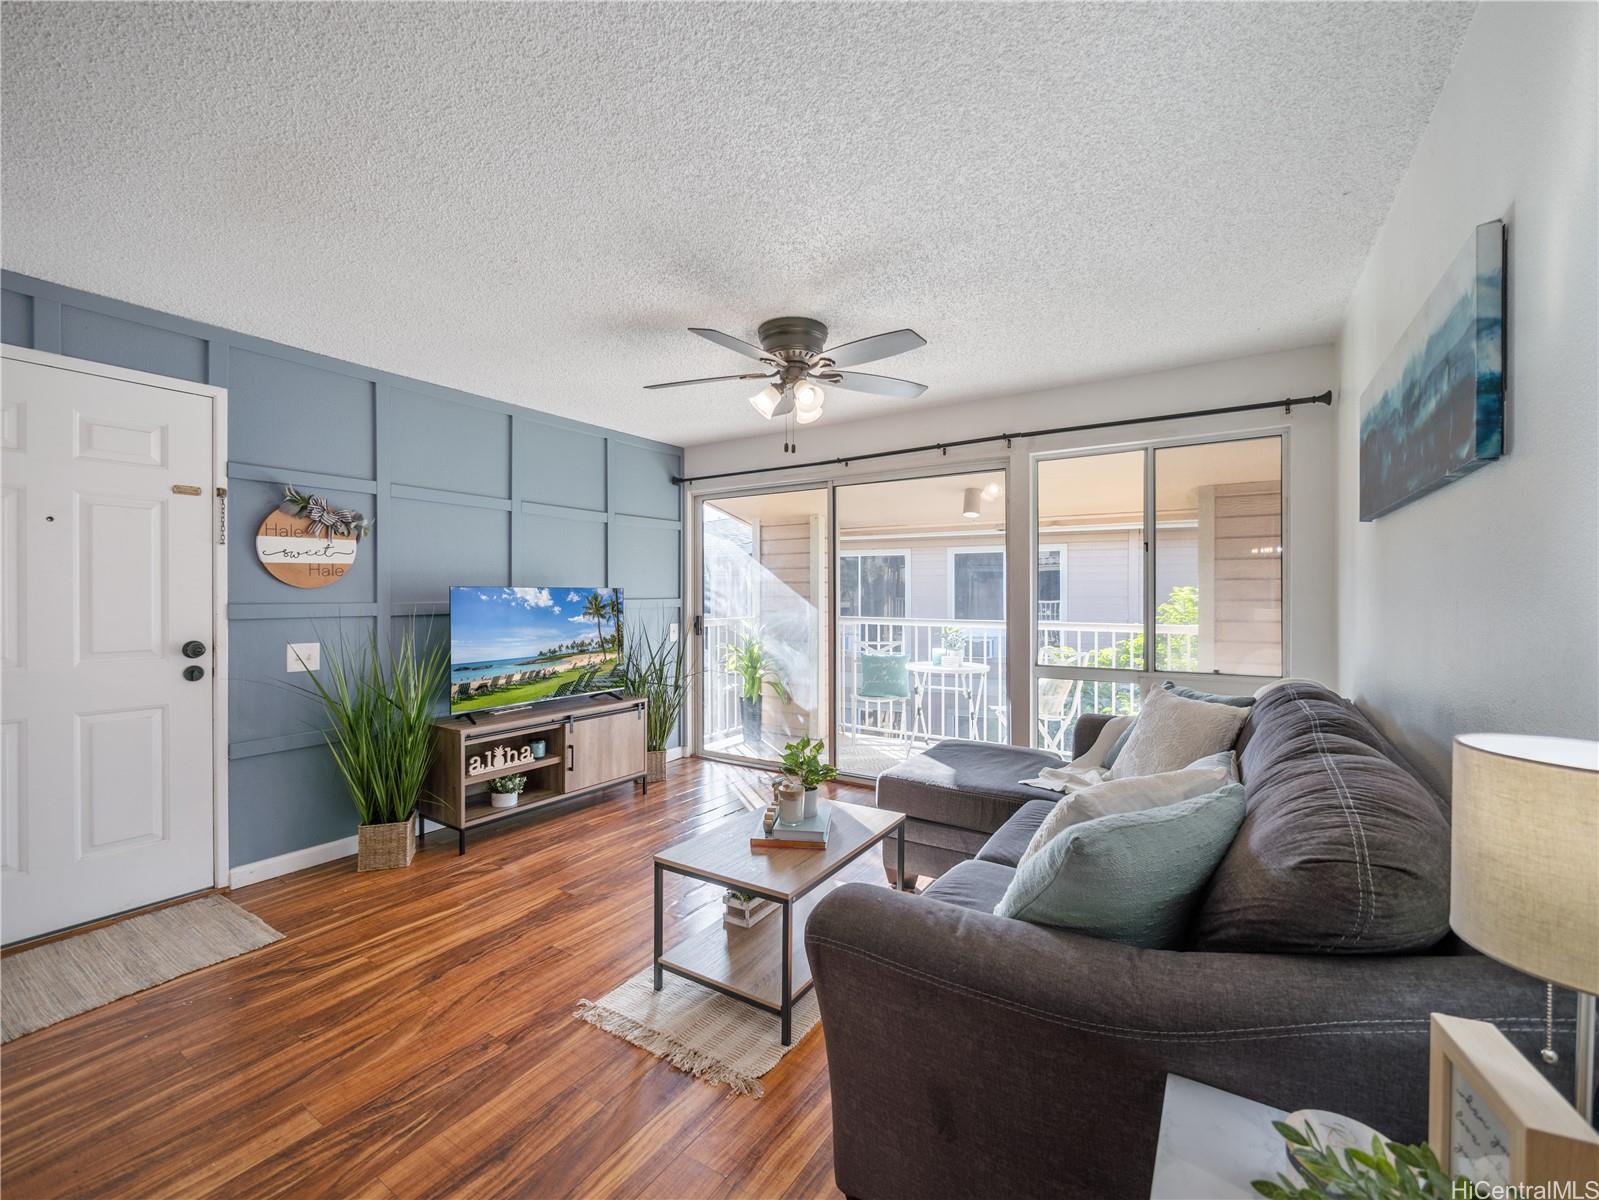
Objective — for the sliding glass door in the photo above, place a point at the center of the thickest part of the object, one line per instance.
(764, 622)
(921, 616)
(1159, 561)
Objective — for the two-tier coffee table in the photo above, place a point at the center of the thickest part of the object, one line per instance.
(761, 965)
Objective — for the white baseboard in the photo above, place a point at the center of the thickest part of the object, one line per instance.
(315, 856)
(294, 860)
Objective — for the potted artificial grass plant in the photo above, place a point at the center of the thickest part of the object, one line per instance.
(380, 730)
(655, 672)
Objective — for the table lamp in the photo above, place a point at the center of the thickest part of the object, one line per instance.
(1524, 879)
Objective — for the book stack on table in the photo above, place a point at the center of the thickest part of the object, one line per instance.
(808, 833)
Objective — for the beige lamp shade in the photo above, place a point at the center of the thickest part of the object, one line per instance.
(1524, 877)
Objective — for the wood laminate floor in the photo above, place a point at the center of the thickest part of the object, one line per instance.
(412, 1036)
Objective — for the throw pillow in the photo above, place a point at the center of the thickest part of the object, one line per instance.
(1132, 795)
(1131, 877)
(1118, 745)
(1110, 734)
(1187, 693)
(1172, 732)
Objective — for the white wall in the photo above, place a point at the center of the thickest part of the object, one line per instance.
(1474, 608)
(1310, 589)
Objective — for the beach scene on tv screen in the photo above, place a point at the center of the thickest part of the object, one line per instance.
(518, 645)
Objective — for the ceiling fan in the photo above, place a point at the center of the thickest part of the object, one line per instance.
(794, 365)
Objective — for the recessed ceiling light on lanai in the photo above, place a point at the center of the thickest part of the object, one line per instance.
(796, 364)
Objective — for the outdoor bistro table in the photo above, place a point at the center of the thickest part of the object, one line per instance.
(968, 679)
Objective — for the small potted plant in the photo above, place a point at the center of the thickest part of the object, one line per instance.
(748, 661)
(380, 730)
(803, 761)
(954, 639)
(506, 791)
(1412, 1173)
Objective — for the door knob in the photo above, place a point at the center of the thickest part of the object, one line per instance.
(194, 674)
(193, 649)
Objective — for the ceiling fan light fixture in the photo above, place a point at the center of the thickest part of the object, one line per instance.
(804, 417)
(972, 504)
(765, 401)
(808, 398)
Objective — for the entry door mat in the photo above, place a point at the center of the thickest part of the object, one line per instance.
(711, 1036)
(62, 979)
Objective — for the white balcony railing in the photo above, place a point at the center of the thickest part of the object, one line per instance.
(971, 705)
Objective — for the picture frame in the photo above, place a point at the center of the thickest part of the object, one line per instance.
(1494, 1118)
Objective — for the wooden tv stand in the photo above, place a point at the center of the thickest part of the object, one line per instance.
(590, 743)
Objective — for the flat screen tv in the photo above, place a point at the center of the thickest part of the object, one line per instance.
(511, 646)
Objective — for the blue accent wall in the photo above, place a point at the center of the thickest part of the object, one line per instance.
(465, 490)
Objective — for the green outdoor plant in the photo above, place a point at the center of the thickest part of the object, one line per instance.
(954, 638)
(655, 671)
(803, 760)
(380, 721)
(1397, 1172)
(508, 783)
(747, 658)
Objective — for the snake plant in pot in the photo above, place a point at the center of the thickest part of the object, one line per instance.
(654, 670)
(380, 730)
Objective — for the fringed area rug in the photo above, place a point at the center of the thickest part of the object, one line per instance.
(707, 1034)
(58, 980)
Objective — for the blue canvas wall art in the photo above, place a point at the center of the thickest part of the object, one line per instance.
(1435, 411)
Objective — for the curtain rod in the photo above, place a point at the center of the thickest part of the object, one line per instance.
(1287, 405)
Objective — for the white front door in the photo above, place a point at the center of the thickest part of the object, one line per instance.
(108, 530)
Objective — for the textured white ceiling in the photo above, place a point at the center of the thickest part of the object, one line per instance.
(534, 201)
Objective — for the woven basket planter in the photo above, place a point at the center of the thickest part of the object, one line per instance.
(654, 766)
(380, 847)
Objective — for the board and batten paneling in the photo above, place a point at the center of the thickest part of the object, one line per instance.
(465, 489)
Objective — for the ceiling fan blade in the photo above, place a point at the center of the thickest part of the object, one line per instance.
(708, 379)
(881, 345)
(878, 385)
(732, 343)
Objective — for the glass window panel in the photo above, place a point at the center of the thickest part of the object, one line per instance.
(766, 618)
(1218, 557)
(921, 636)
(979, 583)
(1091, 516)
(1062, 701)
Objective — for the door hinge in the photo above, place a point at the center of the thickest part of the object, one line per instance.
(222, 516)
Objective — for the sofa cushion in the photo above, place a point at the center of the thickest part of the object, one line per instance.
(973, 884)
(1343, 850)
(1006, 845)
(1133, 794)
(1172, 732)
(972, 785)
(1131, 877)
(1188, 693)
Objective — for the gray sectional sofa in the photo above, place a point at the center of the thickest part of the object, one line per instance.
(975, 1055)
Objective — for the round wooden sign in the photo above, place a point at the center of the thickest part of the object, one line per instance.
(299, 556)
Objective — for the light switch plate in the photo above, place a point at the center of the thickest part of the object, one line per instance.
(305, 656)
(672, 634)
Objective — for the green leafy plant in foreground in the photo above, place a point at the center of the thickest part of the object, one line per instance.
(803, 760)
(1411, 1173)
(380, 722)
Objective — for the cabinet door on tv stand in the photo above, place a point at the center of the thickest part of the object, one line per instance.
(604, 748)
